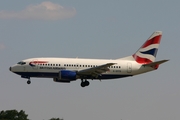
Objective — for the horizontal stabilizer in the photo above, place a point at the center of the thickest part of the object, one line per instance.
(155, 63)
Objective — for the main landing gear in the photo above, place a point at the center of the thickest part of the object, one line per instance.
(84, 83)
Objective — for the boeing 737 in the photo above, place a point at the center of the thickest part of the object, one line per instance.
(71, 69)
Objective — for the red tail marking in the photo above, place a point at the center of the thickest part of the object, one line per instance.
(154, 40)
(141, 60)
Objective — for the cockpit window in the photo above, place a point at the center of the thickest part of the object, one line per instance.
(21, 63)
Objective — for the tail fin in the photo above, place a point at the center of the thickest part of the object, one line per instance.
(147, 52)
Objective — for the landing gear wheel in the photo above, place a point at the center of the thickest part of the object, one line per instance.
(84, 83)
(87, 83)
(28, 82)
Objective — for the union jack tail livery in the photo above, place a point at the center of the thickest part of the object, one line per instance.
(147, 52)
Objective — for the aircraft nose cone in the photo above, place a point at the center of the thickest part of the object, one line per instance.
(10, 68)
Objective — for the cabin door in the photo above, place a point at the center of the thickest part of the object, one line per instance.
(129, 67)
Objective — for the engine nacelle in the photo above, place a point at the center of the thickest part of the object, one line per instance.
(65, 76)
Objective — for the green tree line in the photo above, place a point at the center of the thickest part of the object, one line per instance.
(15, 115)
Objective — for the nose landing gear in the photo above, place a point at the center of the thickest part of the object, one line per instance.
(29, 82)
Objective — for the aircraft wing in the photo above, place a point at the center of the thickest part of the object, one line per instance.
(95, 71)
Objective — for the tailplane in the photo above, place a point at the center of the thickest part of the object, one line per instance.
(156, 64)
(148, 51)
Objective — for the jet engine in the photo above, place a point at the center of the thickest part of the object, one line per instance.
(65, 76)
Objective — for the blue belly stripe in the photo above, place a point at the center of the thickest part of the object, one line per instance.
(54, 75)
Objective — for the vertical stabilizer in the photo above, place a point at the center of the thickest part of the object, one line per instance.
(147, 52)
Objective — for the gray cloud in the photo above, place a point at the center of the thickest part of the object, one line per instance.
(43, 11)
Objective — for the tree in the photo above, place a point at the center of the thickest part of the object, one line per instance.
(13, 115)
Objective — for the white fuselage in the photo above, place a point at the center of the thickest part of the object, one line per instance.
(50, 67)
(71, 69)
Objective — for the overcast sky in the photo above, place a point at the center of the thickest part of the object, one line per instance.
(90, 29)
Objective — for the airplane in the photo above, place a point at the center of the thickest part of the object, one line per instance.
(66, 70)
